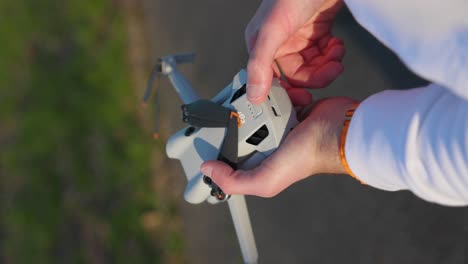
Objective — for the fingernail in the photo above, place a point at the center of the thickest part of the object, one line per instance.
(206, 170)
(254, 93)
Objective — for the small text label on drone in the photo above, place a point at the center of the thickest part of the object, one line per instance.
(242, 117)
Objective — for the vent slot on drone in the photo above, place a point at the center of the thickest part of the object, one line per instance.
(259, 135)
(239, 93)
(274, 111)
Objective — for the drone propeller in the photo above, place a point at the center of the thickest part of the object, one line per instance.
(205, 113)
(149, 89)
(158, 68)
(155, 72)
(163, 66)
(183, 58)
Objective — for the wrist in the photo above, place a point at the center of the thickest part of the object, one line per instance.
(339, 133)
(327, 118)
(342, 141)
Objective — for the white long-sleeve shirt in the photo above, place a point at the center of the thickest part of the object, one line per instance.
(416, 139)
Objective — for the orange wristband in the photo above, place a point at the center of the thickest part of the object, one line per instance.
(344, 132)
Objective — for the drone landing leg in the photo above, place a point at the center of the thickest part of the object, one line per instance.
(240, 217)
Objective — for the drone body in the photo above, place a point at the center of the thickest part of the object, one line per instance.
(227, 128)
(262, 129)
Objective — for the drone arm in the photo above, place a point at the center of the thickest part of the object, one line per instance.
(243, 227)
(223, 95)
(182, 86)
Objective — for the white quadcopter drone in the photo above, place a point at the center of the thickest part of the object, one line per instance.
(227, 128)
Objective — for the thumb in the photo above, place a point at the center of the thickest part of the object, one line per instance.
(259, 67)
(252, 182)
(294, 160)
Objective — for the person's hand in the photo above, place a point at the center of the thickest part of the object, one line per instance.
(297, 34)
(312, 147)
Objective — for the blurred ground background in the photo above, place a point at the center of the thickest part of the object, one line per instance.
(81, 180)
(75, 155)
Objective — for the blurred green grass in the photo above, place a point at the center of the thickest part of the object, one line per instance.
(74, 161)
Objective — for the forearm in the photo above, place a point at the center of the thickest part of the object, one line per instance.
(415, 139)
(430, 37)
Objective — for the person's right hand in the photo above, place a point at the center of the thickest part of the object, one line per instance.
(297, 34)
(312, 147)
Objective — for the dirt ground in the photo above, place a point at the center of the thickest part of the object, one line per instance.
(323, 219)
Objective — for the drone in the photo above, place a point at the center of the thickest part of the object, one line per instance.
(228, 128)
